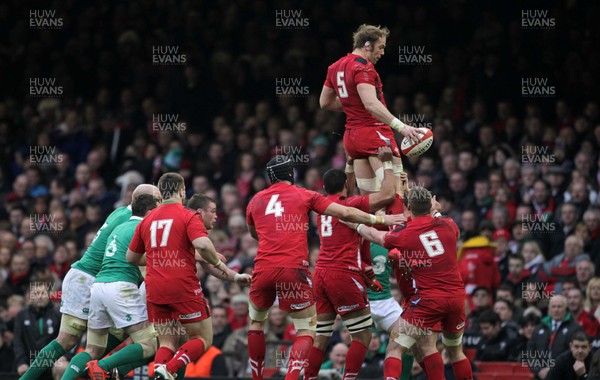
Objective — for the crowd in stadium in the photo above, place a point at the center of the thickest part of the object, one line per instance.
(520, 176)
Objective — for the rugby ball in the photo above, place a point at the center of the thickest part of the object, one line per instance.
(413, 150)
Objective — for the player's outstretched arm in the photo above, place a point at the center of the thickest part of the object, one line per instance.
(329, 100)
(135, 258)
(252, 231)
(351, 214)
(368, 96)
(372, 234)
(386, 195)
(228, 275)
(207, 251)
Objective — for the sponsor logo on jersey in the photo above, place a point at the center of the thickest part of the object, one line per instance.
(190, 316)
(85, 310)
(460, 325)
(297, 306)
(341, 309)
(415, 301)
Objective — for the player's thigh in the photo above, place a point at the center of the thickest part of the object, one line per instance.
(385, 313)
(99, 316)
(200, 329)
(453, 322)
(422, 315)
(293, 288)
(262, 290)
(363, 169)
(346, 290)
(125, 304)
(325, 308)
(75, 298)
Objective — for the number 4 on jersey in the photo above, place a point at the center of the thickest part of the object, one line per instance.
(432, 244)
(274, 207)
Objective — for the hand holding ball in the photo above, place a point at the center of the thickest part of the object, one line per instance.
(417, 149)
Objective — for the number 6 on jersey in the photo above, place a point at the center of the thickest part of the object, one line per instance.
(432, 244)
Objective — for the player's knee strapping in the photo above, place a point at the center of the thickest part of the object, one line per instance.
(359, 324)
(309, 323)
(257, 315)
(405, 341)
(72, 325)
(120, 334)
(452, 342)
(325, 328)
(368, 184)
(146, 338)
(97, 339)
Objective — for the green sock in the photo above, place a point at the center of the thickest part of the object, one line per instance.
(77, 365)
(44, 360)
(126, 368)
(181, 373)
(113, 342)
(128, 354)
(407, 362)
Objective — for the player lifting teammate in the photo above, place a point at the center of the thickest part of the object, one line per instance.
(75, 303)
(116, 301)
(339, 287)
(427, 246)
(353, 86)
(166, 242)
(278, 218)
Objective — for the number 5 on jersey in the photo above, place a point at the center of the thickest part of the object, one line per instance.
(342, 91)
(274, 207)
(163, 224)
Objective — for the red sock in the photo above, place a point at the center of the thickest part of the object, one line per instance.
(462, 370)
(392, 368)
(434, 366)
(256, 350)
(163, 355)
(191, 351)
(315, 359)
(298, 355)
(354, 359)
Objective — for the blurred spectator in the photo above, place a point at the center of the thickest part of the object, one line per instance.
(498, 342)
(239, 311)
(585, 319)
(564, 265)
(35, 327)
(337, 358)
(517, 275)
(575, 363)
(585, 272)
(534, 259)
(592, 297)
(477, 265)
(7, 355)
(221, 328)
(552, 337)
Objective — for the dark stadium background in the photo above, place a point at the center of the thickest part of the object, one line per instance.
(117, 107)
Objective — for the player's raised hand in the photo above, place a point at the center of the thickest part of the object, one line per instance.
(243, 279)
(393, 220)
(404, 186)
(435, 205)
(384, 153)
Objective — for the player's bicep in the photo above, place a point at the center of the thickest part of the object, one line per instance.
(327, 97)
(367, 94)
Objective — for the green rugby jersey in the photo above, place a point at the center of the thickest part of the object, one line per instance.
(115, 266)
(91, 262)
(383, 270)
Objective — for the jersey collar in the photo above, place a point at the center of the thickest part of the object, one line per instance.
(169, 201)
(135, 218)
